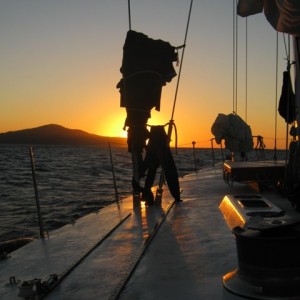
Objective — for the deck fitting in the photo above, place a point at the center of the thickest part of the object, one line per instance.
(268, 247)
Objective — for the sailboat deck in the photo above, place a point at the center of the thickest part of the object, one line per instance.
(110, 255)
(258, 171)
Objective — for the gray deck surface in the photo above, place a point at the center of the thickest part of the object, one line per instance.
(186, 259)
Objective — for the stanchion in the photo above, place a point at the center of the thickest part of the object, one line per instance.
(37, 200)
(113, 174)
(194, 143)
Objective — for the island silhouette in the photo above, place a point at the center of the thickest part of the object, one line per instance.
(53, 134)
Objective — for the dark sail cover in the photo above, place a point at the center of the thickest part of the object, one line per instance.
(147, 65)
(287, 105)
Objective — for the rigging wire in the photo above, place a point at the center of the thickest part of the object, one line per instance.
(181, 60)
(236, 59)
(171, 123)
(287, 47)
(235, 62)
(129, 15)
(246, 83)
(182, 54)
(289, 63)
(233, 54)
(287, 53)
(276, 101)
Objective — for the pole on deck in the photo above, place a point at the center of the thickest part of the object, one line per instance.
(113, 174)
(194, 154)
(37, 200)
(212, 151)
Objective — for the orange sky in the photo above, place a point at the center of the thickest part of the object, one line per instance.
(60, 64)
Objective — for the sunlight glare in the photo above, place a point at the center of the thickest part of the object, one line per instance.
(113, 126)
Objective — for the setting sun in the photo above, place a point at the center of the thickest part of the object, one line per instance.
(113, 125)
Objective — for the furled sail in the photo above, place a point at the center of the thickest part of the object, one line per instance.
(247, 8)
(235, 131)
(146, 67)
(283, 15)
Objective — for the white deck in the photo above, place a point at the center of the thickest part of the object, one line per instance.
(186, 259)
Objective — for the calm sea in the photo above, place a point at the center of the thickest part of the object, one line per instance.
(71, 182)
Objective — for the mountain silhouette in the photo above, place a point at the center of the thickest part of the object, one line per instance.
(53, 134)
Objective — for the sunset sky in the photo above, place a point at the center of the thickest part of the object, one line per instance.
(60, 63)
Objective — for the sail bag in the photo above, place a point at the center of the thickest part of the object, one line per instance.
(235, 131)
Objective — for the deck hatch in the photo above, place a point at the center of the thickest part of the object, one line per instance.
(253, 203)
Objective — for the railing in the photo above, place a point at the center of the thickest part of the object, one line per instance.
(65, 182)
(73, 181)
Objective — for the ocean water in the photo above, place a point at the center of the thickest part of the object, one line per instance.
(72, 182)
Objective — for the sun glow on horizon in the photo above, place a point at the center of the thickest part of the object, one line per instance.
(113, 125)
(113, 132)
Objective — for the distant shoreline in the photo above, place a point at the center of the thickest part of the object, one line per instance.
(54, 134)
(57, 135)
